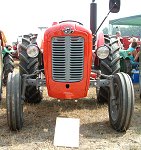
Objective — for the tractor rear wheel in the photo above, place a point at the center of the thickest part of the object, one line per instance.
(102, 95)
(8, 66)
(109, 66)
(29, 65)
(14, 102)
(121, 108)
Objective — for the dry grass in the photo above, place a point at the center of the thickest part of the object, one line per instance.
(95, 130)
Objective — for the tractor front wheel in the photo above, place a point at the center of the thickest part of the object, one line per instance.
(14, 102)
(121, 108)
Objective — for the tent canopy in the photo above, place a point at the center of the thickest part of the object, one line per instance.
(132, 20)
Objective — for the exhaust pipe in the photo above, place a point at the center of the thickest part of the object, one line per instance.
(93, 17)
(93, 20)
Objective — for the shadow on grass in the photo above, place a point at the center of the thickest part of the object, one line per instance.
(103, 129)
(99, 130)
(40, 120)
(136, 120)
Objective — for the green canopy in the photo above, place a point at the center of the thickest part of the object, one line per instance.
(132, 20)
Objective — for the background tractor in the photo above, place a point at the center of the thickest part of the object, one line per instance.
(65, 68)
(6, 62)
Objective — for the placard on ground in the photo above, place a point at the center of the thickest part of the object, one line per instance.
(67, 132)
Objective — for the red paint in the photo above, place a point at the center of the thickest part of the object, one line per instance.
(100, 42)
(93, 75)
(76, 89)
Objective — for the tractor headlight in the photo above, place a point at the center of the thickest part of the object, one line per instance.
(32, 51)
(103, 52)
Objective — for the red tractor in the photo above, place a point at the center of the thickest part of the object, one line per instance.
(65, 68)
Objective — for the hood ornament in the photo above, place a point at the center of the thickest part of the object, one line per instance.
(68, 30)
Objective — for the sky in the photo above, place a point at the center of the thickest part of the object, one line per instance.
(24, 16)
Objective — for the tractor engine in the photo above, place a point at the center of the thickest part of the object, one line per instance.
(67, 60)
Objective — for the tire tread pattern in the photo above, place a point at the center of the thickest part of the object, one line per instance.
(126, 103)
(29, 65)
(8, 67)
(14, 102)
(109, 66)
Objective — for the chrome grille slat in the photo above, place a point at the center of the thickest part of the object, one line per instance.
(67, 58)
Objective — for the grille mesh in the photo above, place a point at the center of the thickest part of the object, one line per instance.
(67, 58)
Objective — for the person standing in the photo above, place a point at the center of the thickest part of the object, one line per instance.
(3, 39)
(132, 54)
(119, 38)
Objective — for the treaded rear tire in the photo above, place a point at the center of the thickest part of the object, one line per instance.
(109, 66)
(29, 65)
(8, 67)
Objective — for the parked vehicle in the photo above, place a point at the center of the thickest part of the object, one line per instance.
(6, 63)
(66, 64)
(7, 60)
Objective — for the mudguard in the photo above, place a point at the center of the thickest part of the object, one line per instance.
(100, 42)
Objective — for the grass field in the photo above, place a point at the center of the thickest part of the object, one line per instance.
(95, 130)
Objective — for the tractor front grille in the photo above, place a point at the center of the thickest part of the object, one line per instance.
(67, 58)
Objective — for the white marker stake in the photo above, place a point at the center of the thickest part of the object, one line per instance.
(67, 132)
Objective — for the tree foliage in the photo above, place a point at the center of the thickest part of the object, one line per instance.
(125, 31)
